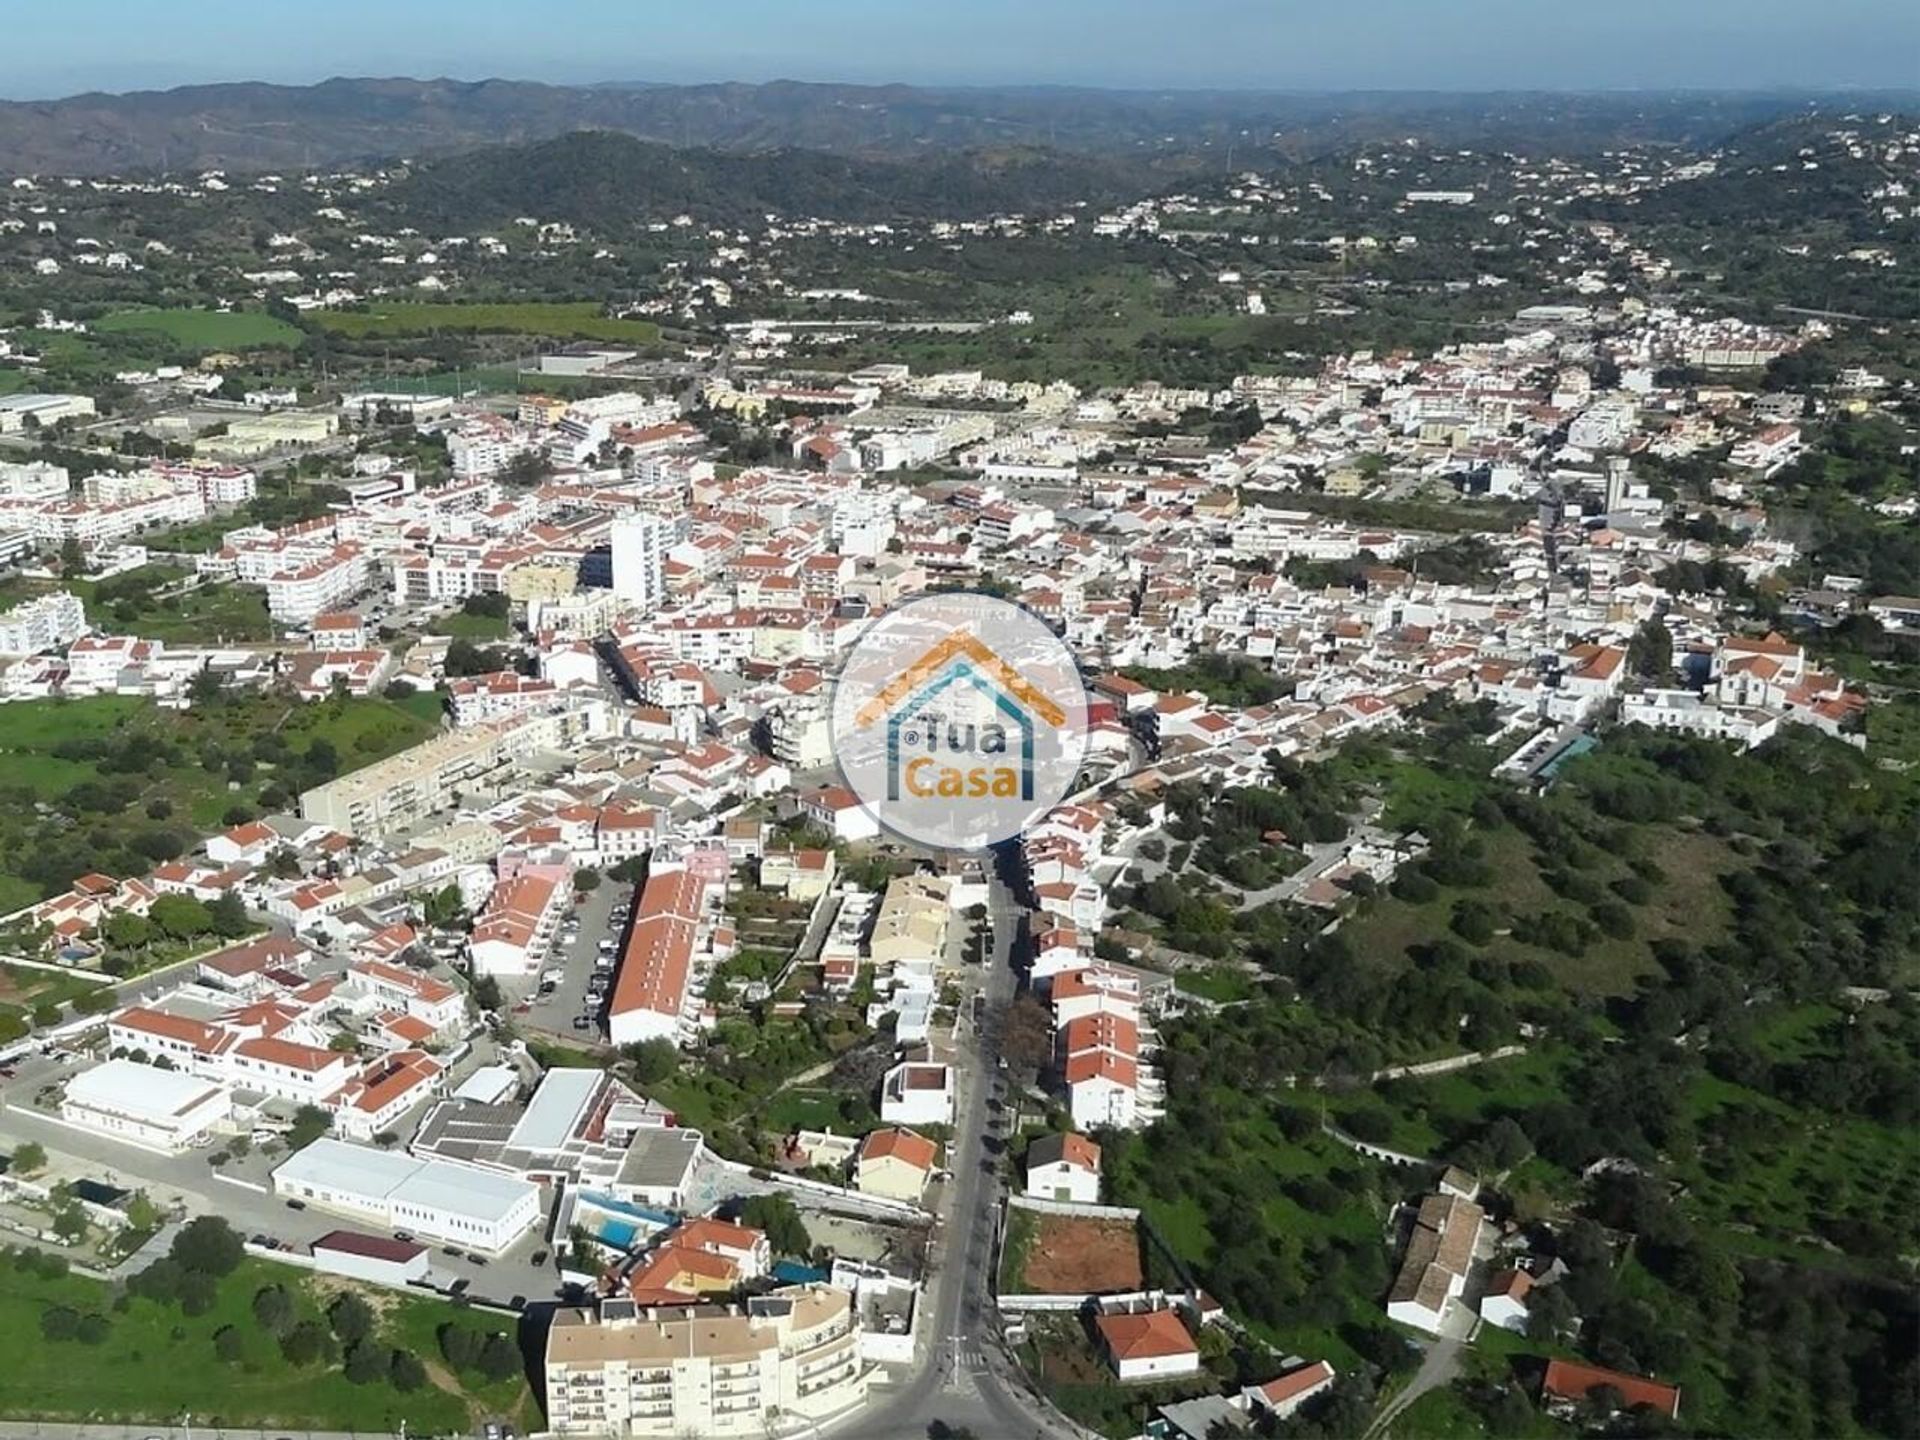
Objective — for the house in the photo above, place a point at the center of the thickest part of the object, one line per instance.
(744, 1246)
(1064, 1166)
(1505, 1303)
(917, 1093)
(895, 1164)
(438, 1005)
(1282, 1396)
(246, 844)
(1102, 1089)
(839, 812)
(1147, 1344)
(1433, 1271)
(1568, 1384)
(803, 875)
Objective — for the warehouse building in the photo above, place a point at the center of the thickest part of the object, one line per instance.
(438, 1201)
(166, 1110)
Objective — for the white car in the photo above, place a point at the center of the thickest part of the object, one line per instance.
(555, 975)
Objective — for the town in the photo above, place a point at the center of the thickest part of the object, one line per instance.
(429, 877)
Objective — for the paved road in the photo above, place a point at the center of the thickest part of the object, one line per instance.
(1437, 1368)
(962, 1380)
(556, 1013)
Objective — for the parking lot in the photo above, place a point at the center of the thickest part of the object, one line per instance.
(580, 968)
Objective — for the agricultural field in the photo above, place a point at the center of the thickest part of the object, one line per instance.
(205, 330)
(557, 320)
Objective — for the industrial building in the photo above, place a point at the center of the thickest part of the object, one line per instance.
(442, 1202)
(166, 1110)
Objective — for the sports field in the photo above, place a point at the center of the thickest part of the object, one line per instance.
(557, 320)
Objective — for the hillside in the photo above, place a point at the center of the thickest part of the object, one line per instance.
(255, 126)
(602, 181)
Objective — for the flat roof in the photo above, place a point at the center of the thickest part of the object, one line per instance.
(373, 1247)
(490, 1084)
(145, 1092)
(555, 1109)
(335, 1165)
(662, 1157)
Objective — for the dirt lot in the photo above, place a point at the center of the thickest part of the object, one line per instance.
(1072, 1255)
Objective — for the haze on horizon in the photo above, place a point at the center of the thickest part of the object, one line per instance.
(1470, 45)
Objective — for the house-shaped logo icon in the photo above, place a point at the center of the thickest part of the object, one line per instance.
(956, 719)
(915, 730)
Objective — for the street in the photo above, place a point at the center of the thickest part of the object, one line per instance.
(960, 1378)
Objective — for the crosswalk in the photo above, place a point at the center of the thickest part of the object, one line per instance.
(960, 1361)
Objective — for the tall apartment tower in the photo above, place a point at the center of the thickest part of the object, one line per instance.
(640, 560)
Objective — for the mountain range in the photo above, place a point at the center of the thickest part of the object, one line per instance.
(261, 127)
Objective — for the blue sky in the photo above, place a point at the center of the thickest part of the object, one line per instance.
(57, 49)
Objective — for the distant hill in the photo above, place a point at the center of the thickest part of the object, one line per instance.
(602, 181)
(345, 121)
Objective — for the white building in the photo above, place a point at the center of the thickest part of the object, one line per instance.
(448, 1204)
(166, 1110)
(1433, 1270)
(45, 622)
(1149, 1344)
(917, 1093)
(513, 935)
(640, 560)
(1064, 1166)
(705, 1369)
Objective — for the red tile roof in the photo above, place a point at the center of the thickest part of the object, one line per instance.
(1152, 1335)
(1567, 1380)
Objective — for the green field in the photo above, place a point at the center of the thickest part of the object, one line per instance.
(559, 320)
(462, 626)
(205, 329)
(157, 1363)
(113, 783)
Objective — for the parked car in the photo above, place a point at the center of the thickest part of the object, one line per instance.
(581, 1022)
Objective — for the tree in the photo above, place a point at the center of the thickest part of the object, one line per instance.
(207, 1244)
(274, 1310)
(229, 1344)
(228, 915)
(653, 1060)
(1027, 1036)
(70, 1224)
(499, 1357)
(181, 916)
(310, 1122)
(777, 1216)
(198, 1292)
(93, 1329)
(125, 930)
(159, 1282)
(29, 1157)
(366, 1362)
(1650, 652)
(57, 1322)
(586, 881)
(304, 1344)
(351, 1319)
(406, 1372)
(459, 1346)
